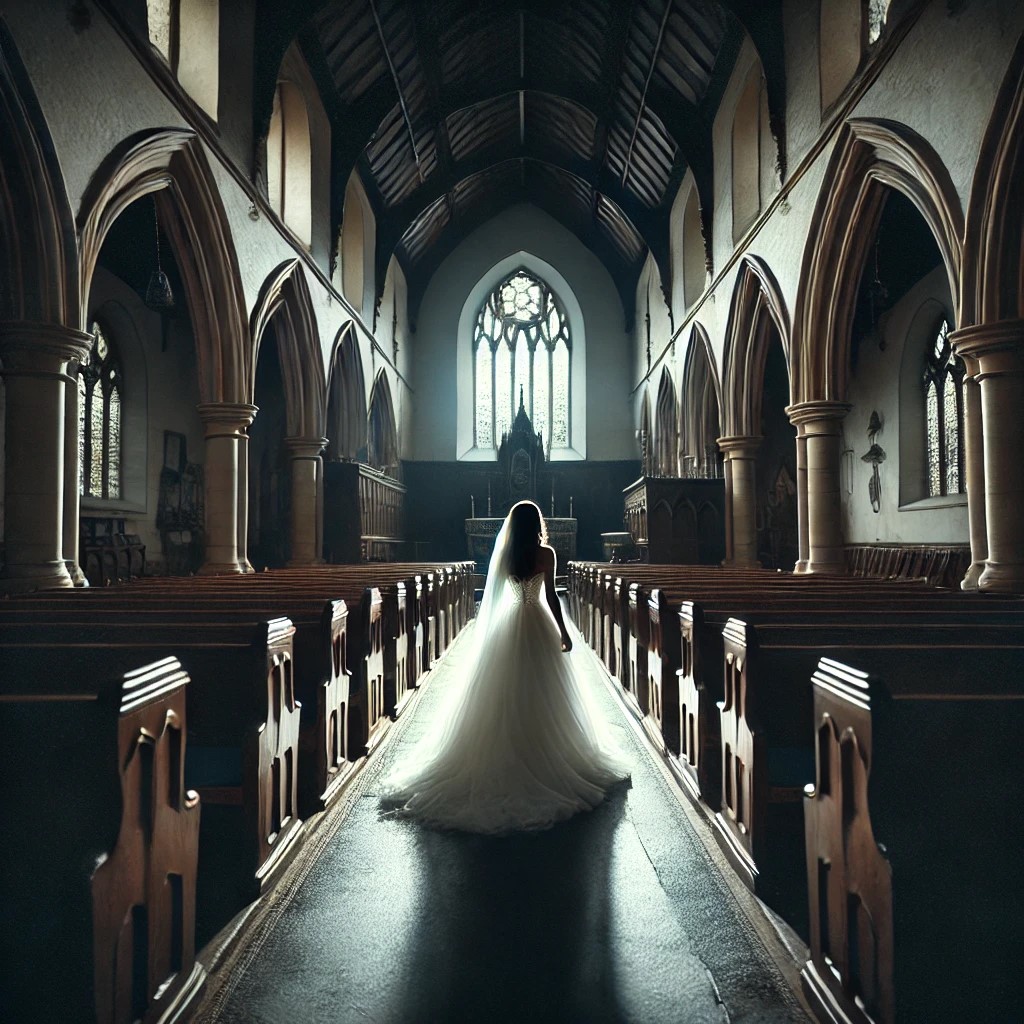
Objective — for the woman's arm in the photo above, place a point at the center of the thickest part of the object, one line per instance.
(548, 561)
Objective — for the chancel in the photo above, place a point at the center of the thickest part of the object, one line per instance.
(300, 302)
(521, 475)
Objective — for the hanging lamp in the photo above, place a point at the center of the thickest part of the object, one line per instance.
(159, 296)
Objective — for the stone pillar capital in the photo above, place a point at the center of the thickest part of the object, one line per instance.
(818, 417)
(226, 419)
(990, 350)
(739, 447)
(305, 447)
(36, 348)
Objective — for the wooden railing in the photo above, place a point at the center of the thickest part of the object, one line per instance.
(364, 514)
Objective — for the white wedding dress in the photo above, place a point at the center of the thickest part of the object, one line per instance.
(521, 745)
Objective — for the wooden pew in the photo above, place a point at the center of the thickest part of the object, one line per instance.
(701, 653)
(912, 846)
(101, 839)
(321, 677)
(767, 725)
(364, 635)
(243, 733)
(649, 671)
(383, 673)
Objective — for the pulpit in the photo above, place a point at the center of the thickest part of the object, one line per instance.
(521, 474)
(677, 521)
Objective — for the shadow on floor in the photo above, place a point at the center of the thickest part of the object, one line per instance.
(516, 928)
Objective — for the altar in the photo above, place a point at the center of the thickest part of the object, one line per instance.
(521, 473)
(480, 534)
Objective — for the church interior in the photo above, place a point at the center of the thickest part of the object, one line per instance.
(297, 299)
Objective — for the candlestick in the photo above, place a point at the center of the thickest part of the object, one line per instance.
(552, 497)
(570, 506)
(472, 507)
(488, 498)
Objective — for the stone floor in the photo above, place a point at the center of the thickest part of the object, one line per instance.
(626, 913)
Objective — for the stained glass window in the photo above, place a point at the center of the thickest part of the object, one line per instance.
(99, 420)
(522, 347)
(944, 416)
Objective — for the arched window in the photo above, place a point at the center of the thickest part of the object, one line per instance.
(522, 346)
(353, 246)
(187, 33)
(847, 31)
(289, 161)
(943, 381)
(99, 420)
(694, 266)
(751, 113)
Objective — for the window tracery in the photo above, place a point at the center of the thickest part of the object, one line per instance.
(943, 382)
(522, 345)
(99, 420)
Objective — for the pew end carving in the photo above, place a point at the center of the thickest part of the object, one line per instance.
(119, 837)
(849, 879)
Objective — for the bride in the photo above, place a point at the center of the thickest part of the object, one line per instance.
(520, 746)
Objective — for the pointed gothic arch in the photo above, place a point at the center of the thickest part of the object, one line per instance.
(169, 163)
(666, 441)
(346, 399)
(38, 247)
(382, 428)
(700, 408)
(284, 299)
(992, 281)
(871, 157)
(757, 311)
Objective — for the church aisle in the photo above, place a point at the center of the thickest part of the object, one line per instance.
(621, 914)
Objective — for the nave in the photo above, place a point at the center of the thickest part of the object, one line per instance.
(626, 913)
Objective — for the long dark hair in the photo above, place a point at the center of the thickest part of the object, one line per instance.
(526, 533)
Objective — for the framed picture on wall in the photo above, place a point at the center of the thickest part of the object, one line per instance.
(175, 451)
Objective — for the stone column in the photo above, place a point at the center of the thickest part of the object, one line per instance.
(225, 424)
(244, 565)
(998, 352)
(740, 499)
(307, 475)
(35, 360)
(72, 469)
(974, 472)
(820, 424)
(803, 541)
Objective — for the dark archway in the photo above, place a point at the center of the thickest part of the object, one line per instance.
(700, 417)
(346, 401)
(382, 430)
(666, 452)
(269, 466)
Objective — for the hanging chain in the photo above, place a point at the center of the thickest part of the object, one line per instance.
(156, 225)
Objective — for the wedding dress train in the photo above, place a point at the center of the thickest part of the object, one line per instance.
(521, 746)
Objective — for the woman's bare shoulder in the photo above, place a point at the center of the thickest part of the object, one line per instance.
(546, 557)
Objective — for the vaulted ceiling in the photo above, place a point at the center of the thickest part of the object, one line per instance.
(454, 109)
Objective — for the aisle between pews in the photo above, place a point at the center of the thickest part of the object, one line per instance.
(856, 744)
(626, 913)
